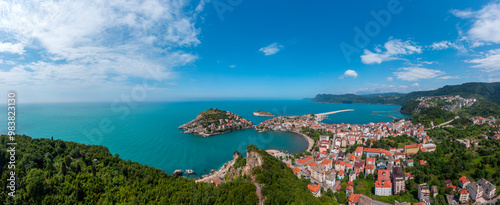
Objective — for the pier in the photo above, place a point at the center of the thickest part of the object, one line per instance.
(321, 116)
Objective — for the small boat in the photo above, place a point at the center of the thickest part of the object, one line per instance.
(178, 172)
(189, 171)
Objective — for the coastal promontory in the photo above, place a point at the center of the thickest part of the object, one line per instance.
(214, 121)
(263, 113)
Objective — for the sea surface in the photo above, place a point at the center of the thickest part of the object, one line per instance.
(148, 132)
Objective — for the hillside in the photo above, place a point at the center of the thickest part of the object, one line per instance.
(59, 172)
(486, 93)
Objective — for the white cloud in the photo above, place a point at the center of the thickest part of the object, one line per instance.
(489, 62)
(382, 89)
(232, 66)
(448, 77)
(446, 44)
(349, 73)
(415, 85)
(98, 42)
(12, 48)
(394, 49)
(485, 23)
(389, 79)
(271, 49)
(417, 73)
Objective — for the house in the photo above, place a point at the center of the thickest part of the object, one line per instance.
(435, 191)
(304, 160)
(453, 188)
(327, 163)
(475, 191)
(488, 188)
(447, 182)
(383, 188)
(398, 180)
(424, 193)
(330, 179)
(324, 138)
(369, 169)
(296, 171)
(318, 173)
(358, 152)
(409, 163)
(350, 188)
(339, 165)
(411, 149)
(340, 175)
(364, 200)
(451, 200)
(464, 196)
(348, 166)
(315, 189)
(373, 152)
(463, 182)
(370, 160)
(216, 181)
(310, 165)
(353, 199)
(352, 176)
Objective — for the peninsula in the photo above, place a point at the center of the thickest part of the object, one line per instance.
(214, 122)
(263, 114)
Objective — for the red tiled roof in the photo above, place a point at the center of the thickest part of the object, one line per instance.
(314, 188)
(352, 158)
(304, 159)
(383, 184)
(340, 173)
(216, 181)
(370, 166)
(374, 150)
(464, 191)
(411, 146)
(354, 198)
(313, 164)
(326, 162)
(295, 170)
(348, 164)
(370, 159)
(463, 179)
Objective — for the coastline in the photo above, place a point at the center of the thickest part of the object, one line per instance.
(310, 141)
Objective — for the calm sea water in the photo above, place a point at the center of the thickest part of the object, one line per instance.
(149, 133)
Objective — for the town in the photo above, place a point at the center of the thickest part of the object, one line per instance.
(342, 153)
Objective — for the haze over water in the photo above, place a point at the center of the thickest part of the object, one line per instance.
(150, 135)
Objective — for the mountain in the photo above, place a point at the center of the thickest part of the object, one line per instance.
(486, 92)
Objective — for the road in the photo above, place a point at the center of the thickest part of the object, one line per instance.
(444, 123)
(379, 203)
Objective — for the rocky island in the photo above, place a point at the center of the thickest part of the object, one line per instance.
(214, 122)
(263, 113)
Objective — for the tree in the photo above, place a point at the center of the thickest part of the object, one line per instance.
(35, 184)
(64, 170)
(67, 160)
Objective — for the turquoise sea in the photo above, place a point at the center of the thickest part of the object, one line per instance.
(148, 132)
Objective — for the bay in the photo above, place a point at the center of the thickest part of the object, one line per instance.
(148, 132)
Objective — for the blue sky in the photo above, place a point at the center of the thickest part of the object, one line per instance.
(64, 51)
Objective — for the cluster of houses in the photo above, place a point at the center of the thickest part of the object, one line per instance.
(452, 102)
(232, 121)
(326, 170)
(481, 120)
(346, 134)
(469, 190)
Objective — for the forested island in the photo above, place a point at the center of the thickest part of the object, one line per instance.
(214, 122)
(263, 113)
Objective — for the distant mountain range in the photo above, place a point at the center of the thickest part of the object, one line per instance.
(482, 91)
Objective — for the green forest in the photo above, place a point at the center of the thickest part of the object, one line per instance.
(60, 172)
